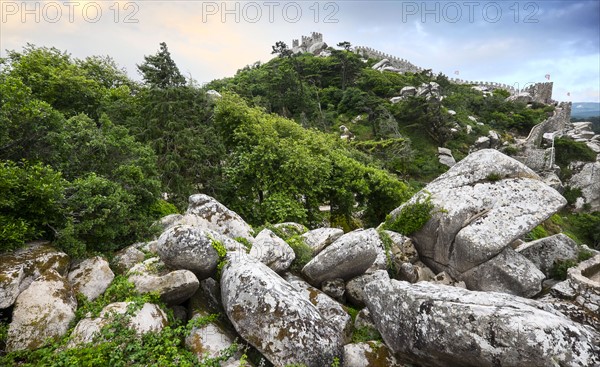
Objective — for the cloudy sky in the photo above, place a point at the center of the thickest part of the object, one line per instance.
(512, 42)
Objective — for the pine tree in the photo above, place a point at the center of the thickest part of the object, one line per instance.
(160, 71)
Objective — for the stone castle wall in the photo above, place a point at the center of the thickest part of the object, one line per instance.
(406, 66)
(541, 92)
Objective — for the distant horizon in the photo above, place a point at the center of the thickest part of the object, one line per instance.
(513, 43)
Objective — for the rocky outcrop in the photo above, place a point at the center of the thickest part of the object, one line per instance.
(272, 251)
(369, 354)
(319, 238)
(275, 317)
(148, 318)
(588, 181)
(126, 258)
(42, 311)
(445, 157)
(211, 214)
(20, 268)
(355, 287)
(545, 252)
(481, 205)
(349, 256)
(91, 277)
(189, 248)
(174, 287)
(329, 308)
(448, 326)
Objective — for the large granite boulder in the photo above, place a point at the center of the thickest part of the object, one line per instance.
(349, 256)
(319, 238)
(271, 250)
(206, 212)
(174, 287)
(437, 325)
(190, 248)
(275, 317)
(545, 252)
(369, 354)
(149, 318)
(18, 269)
(329, 308)
(481, 205)
(588, 181)
(42, 311)
(91, 277)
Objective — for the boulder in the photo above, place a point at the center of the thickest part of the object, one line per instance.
(19, 268)
(507, 272)
(480, 206)
(126, 258)
(43, 310)
(10, 279)
(319, 238)
(588, 181)
(272, 251)
(369, 354)
(334, 288)
(212, 337)
(174, 287)
(408, 91)
(403, 248)
(275, 317)
(148, 318)
(91, 277)
(380, 64)
(207, 213)
(349, 256)
(328, 308)
(523, 97)
(355, 287)
(436, 325)
(189, 248)
(291, 228)
(544, 252)
(317, 47)
(445, 157)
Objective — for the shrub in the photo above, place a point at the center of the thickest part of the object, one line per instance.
(303, 253)
(412, 217)
(30, 203)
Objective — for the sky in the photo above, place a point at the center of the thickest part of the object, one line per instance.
(511, 42)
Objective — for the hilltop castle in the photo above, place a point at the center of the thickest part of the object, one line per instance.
(313, 44)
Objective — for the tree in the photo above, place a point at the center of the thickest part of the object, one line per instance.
(345, 45)
(281, 49)
(160, 71)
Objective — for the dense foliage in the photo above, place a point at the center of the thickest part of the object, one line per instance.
(88, 155)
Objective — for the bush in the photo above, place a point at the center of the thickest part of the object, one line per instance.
(303, 253)
(30, 203)
(567, 151)
(412, 217)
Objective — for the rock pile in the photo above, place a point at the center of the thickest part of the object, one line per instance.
(411, 289)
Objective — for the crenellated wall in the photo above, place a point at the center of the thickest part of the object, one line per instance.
(540, 92)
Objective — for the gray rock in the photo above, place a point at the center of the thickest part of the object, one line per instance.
(328, 308)
(291, 228)
(18, 269)
(408, 272)
(364, 319)
(189, 248)
(551, 179)
(209, 340)
(585, 279)
(588, 180)
(275, 317)
(272, 251)
(126, 258)
(380, 64)
(544, 252)
(150, 318)
(334, 288)
(42, 311)
(437, 325)
(174, 287)
(507, 272)
(369, 354)
(481, 205)
(483, 142)
(408, 91)
(317, 47)
(523, 97)
(91, 277)
(10, 279)
(355, 287)
(349, 256)
(403, 248)
(319, 238)
(397, 99)
(206, 212)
